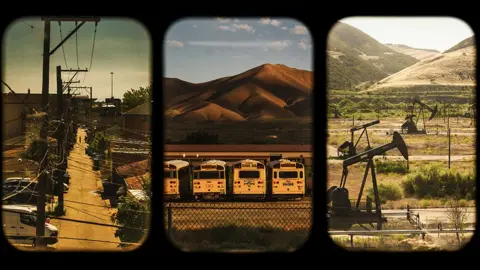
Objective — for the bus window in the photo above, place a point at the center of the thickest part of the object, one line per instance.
(301, 174)
(222, 174)
(248, 174)
(169, 174)
(275, 175)
(288, 174)
(209, 175)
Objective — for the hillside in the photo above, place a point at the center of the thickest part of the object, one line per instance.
(416, 53)
(355, 58)
(265, 92)
(456, 68)
(462, 44)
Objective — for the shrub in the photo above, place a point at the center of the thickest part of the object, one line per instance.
(390, 192)
(399, 167)
(434, 181)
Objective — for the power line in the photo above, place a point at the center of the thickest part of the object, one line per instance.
(93, 48)
(61, 38)
(76, 40)
(78, 221)
(31, 26)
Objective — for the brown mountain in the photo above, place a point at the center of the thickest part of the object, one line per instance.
(266, 92)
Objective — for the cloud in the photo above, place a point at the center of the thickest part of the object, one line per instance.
(234, 27)
(194, 26)
(236, 20)
(276, 23)
(299, 30)
(174, 43)
(223, 20)
(265, 21)
(277, 45)
(304, 45)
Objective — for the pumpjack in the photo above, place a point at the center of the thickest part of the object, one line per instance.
(341, 214)
(348, 148)
(410, 125)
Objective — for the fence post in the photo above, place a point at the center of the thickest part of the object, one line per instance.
(169, 220)
(351, 240)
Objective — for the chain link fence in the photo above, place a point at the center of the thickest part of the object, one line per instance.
(228, 226)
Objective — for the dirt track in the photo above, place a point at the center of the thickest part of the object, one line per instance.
(83, 182)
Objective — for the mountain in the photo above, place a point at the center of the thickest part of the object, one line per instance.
(268, 91)
(462, 44)
(416, 53)
(455, 68)
(355, 58)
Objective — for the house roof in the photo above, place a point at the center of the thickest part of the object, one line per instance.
(144, 109)
(133, 169)
(138, 194)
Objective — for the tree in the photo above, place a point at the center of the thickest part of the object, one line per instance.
(136, 97)
(133, 215)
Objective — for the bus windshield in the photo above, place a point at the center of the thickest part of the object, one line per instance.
(248, 174)
(169, 174)
(209, 175)
(288, 174)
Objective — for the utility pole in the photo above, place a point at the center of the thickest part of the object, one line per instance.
(448, 132)
(40, 226)
(60, 139)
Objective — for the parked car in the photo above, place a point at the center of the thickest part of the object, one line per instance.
(19, 225)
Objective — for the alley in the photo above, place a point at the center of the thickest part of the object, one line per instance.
(82, 203)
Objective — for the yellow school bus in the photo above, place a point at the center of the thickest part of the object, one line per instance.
(176, 177)
(210, 180)
(285, 179)
(249, 179)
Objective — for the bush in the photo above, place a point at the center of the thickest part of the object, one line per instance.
(434, 181)
(390, 192)
(399, 167)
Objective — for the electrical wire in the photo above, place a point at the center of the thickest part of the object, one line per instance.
(76, 40)
(93, 48)
(78, 221)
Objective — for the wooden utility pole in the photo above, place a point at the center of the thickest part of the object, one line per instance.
(40, 226)
(448, 132)
(60, 139)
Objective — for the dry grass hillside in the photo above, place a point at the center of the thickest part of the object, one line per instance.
(266, 92)
(419, 54)
(456, 68)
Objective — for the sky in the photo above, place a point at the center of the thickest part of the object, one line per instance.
(438, 33)
(200, 50)
(122, 46)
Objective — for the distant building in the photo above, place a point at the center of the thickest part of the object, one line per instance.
(136, 122)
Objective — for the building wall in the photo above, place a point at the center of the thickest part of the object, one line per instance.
(134, 126)
(14, 105)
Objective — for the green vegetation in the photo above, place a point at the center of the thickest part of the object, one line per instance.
(434, 181)
(399, 167)
(134, 217)
(350, 69)
(136, 97)
(99, 144)
(387, 192)
(35, 150)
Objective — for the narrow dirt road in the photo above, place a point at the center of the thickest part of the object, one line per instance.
(82, 203)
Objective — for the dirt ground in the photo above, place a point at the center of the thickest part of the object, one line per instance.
(81, 203)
